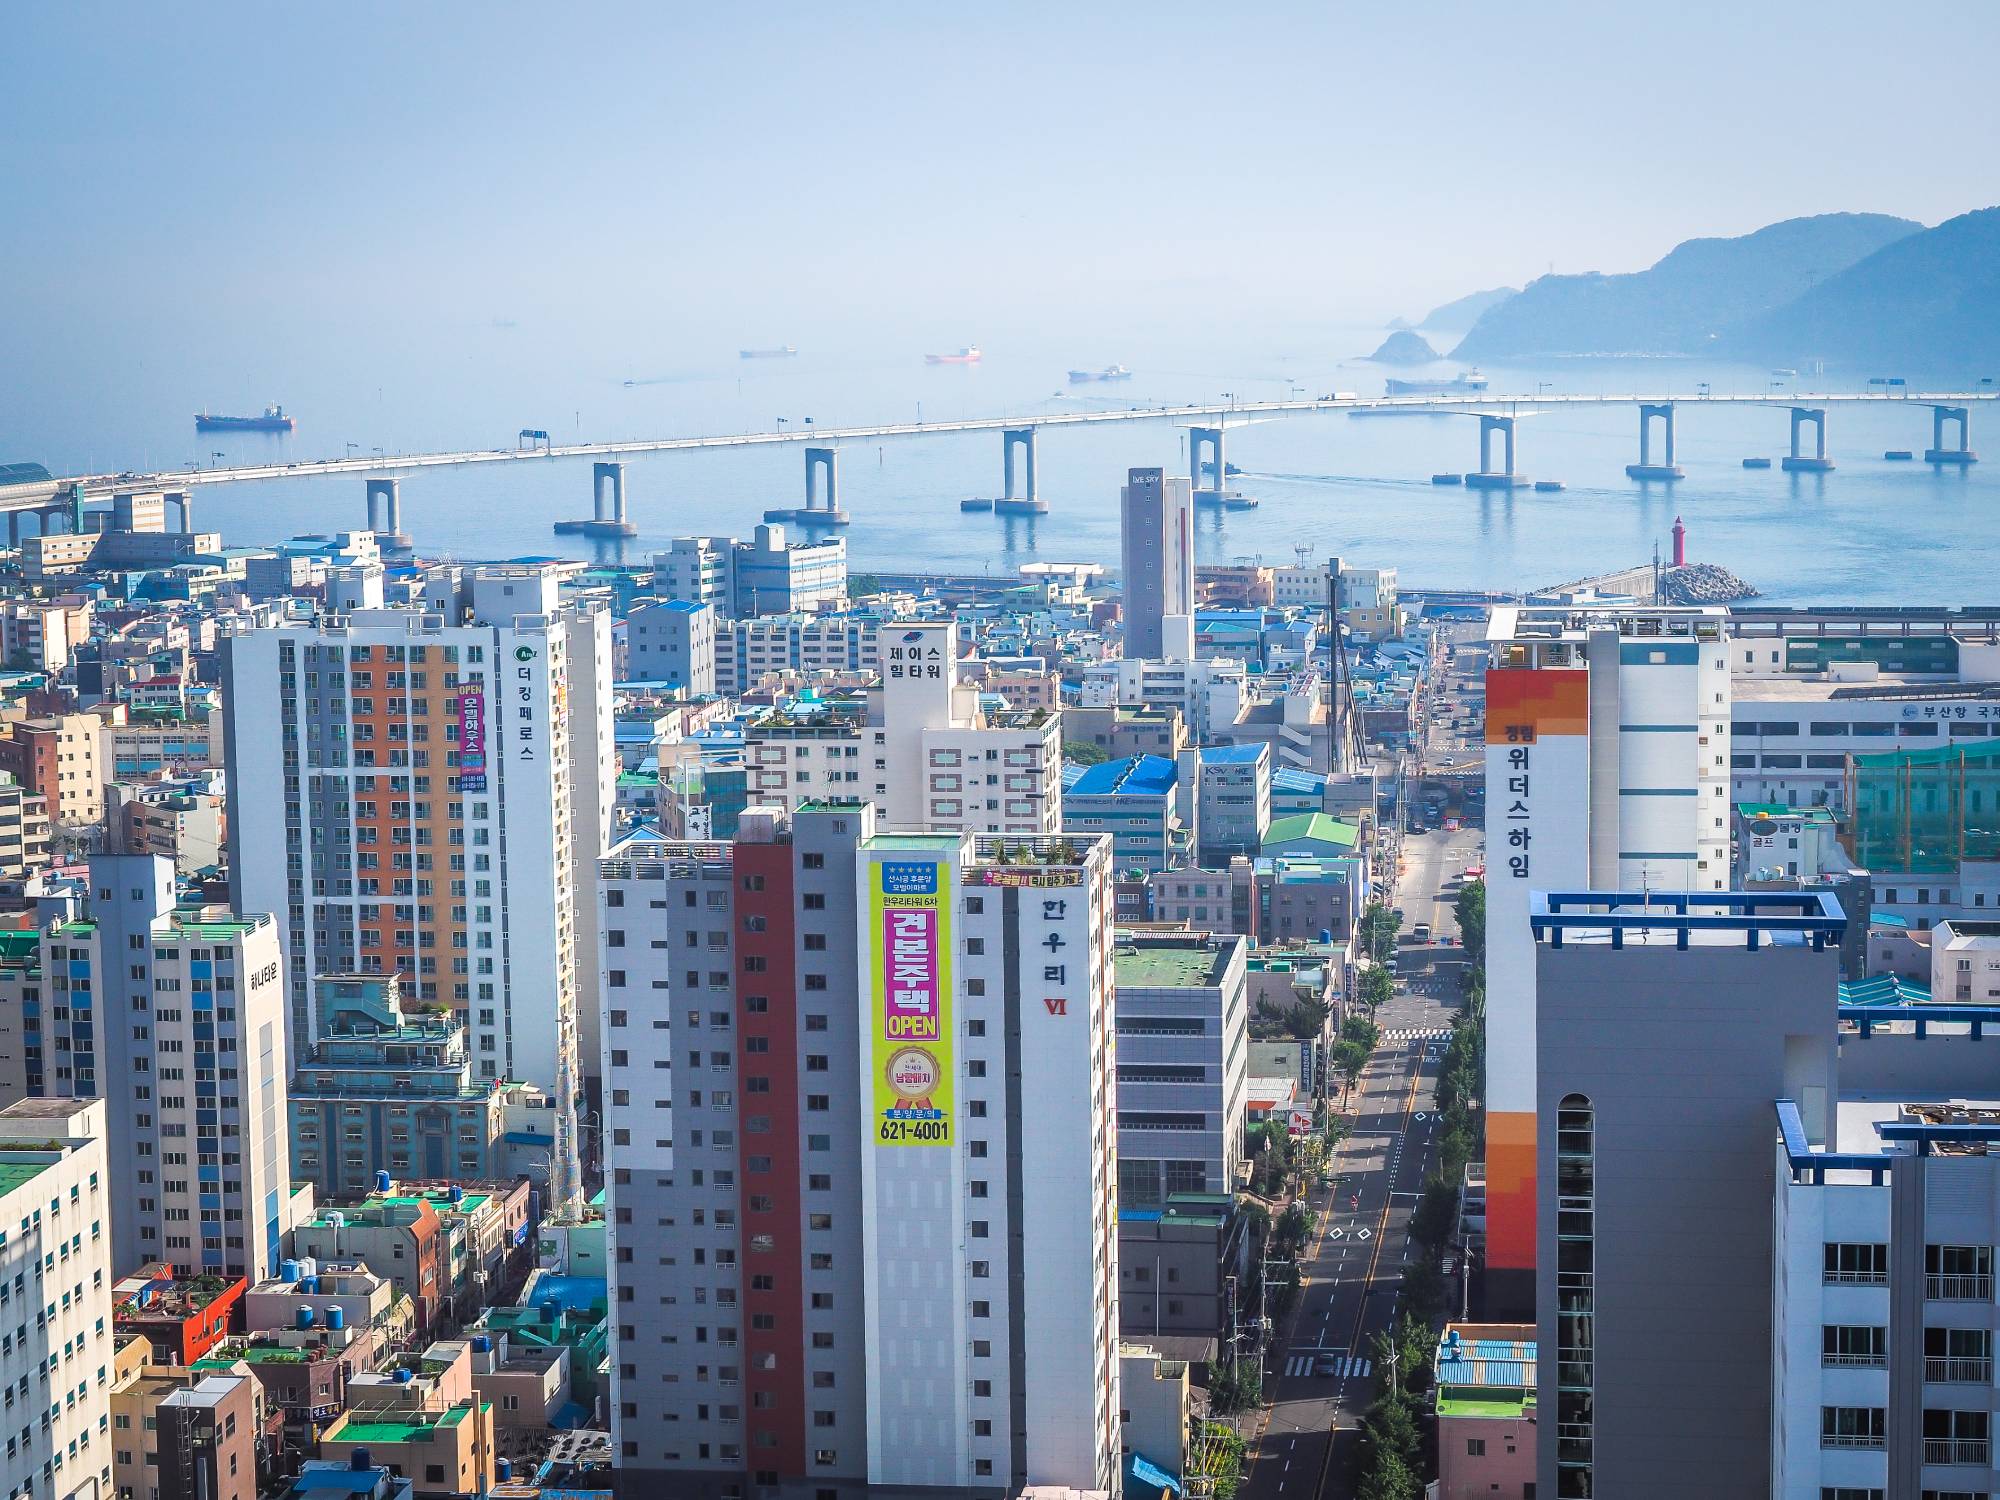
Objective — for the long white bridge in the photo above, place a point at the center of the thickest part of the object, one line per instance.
(57, 498)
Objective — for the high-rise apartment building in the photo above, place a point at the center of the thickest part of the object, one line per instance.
(1156, 529)
(1669, 1023)
(925, 753)
(425, 796)
(1607, 768)
(53, 1183)
(858, 1105)
(176, 1017)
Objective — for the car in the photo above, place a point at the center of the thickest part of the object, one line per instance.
(1399, 914)
(1421, 932)
(1326, 1364)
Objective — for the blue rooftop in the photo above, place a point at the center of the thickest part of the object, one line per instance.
(1227, 755)
(1141, 776)
(575, 1293)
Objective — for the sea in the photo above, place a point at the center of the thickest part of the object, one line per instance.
(1872, 531)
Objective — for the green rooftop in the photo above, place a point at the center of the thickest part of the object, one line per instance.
(1317, 827)
(17, 946)
(16, 1174)
(1449, 1405)
(1171, 963)
(382, 1431)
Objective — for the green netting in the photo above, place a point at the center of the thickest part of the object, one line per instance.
(1927, 811)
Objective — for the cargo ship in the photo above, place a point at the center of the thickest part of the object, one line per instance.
(1458, 385)
(1109, 372)
(785, 351)
(969, 355)
(273, 420)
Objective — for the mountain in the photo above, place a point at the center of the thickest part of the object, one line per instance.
(1681, 305)
(1404, 348)
(1928, 301)
(1460, 314)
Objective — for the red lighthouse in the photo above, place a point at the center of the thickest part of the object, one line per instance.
(1680, 543)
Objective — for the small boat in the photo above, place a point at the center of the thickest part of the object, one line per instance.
(1756, 463)
(783, 351)
(1899, 455)
(1447, 479)
(969, 355)
(1109, 372)
(975, 504)
(1549, 486)
(1784, 374)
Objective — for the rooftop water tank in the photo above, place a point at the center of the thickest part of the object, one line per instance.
(305, 1317)
(551, 1310)
(404, 1376)
(457, 1193)
(482, 1343)
(360, 1460)
(504, 1470)
(336, 1318)
(288, 1270)
(382, 1180)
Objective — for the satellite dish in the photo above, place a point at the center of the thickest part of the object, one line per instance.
(1762, 827)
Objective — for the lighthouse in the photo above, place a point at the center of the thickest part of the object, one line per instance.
(1680, 543)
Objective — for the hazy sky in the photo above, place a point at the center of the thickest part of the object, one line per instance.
(754, 171)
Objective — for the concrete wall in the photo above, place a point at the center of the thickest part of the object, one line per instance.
(1681, 1054)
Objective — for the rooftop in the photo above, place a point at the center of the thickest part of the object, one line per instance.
(1196, 961)
(1314, 825)
(1138, 776)
(1753, 919)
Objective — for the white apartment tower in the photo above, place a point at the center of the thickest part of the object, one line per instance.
(426, 796)
(926, 754)
(861, 1150)
(1607, 769)
(57, 1271)
(175, 1016)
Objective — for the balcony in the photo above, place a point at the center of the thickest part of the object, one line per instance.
(1875, 1361)
(1855, 1440)
(1958, 1370)
(1977, 1287)
(1967, 1452)
(1859, 1278)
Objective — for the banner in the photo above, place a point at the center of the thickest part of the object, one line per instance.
(909, 923)
(472, 742)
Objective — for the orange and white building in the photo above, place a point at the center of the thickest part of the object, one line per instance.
(425, 795)
(1607, 768)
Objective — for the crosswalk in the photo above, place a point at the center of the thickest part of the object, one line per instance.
(1417, 1034)
(1343, 1367)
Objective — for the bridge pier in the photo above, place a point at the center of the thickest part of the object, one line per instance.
(1645, 468)
(818, 461)
(1487, 477)
(389, 528)
(1937, 453)
(1798, 463)
(183, 504)
(1027, 502)
(607, 504)
(1206, 440)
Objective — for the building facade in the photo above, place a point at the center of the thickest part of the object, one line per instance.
(817, 1165)
(1607, 747)
(1156, 529)
(422, 798)
(175, 1016)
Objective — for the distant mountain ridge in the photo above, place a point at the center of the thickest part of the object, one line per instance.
(1696, 296)
(1928, 301)
(1459, 314)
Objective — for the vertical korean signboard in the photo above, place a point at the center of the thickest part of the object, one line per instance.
(1538, 831)
(472, 742)
(909, 925)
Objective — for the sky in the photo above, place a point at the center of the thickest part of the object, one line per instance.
(265, 178)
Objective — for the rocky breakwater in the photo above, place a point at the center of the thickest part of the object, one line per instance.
(1702, 583)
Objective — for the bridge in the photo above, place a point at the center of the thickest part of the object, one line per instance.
(60, 501)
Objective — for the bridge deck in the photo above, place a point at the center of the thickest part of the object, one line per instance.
(100, 486)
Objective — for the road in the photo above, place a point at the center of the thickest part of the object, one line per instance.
(1307, 1444)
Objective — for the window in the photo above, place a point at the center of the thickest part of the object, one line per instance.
(1576, 1296)
(1856, 1265)
(1475, 1447)
(1852, 1427)
(1864, 1346)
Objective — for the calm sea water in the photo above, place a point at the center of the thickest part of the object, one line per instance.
(1872, 531)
